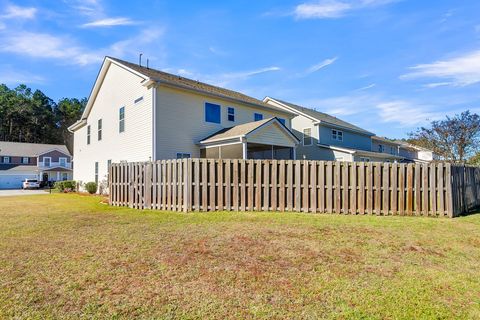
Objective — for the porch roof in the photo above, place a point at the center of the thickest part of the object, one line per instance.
(243, 131)
(56, 169)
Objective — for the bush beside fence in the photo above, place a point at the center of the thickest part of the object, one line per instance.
(296, 185)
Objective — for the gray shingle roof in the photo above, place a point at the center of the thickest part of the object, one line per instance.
(21, 149)
(240, 130)
(162, 76)
(323, 117)
(17, 168)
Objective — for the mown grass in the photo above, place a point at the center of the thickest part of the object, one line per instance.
(68, 256)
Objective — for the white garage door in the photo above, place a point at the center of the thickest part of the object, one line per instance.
(14, 181)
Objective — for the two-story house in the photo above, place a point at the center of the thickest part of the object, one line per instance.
(324, 137)
(44, 162)
(135, 113)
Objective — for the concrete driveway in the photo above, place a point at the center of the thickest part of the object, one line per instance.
(19, 192)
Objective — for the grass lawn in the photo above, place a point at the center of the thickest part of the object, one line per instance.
(68, 256)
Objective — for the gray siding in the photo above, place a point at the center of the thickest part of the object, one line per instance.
(351, 139)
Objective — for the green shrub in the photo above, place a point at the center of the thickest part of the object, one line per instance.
(68, 185)
(91, 187)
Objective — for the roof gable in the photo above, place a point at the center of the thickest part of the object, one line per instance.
(21, 149)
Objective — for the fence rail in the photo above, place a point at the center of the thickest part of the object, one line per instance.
(296, 185)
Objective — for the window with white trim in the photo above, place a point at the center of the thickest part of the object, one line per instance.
(64, 176)
(6, 159)
(257, 116)
(88, 134)
(364, 159)
(380, 148)
(212, 112)
(121, 119)
(181, 155)
(231, 114)
(337, 135)
(62, 161)
(99, 129)
(307, 136)
(25, 160)
(47, 161)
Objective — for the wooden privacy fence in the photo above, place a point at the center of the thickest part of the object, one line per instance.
(296, 185)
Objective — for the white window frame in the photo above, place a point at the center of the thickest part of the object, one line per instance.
(310, 136)
(337, 135)
(183, 155)
(230, 114)
(49, 163)
(99, 129)
(89, 131)
(364, 159)
(121, 121)
(60, 161)
(23, 160)
(64, 174)
(8, 158)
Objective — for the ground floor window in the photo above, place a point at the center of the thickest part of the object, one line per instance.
(64, 176)
(183, 155)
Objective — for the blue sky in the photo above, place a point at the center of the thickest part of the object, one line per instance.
(388, 66)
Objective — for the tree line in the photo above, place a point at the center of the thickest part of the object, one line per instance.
(31, 116)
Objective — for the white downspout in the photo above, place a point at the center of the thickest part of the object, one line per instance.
(244, 145)
(154, 123)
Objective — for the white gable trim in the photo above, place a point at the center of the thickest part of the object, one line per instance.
(293, 110)
(96, 88)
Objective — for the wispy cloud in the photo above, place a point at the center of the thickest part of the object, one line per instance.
(13, 12)
(370, 86)
(110, 22)
(66, 50)
(224, 79)
(329, 9)
(10, 76)
(406, 113)
(321, 65)
(463, 70)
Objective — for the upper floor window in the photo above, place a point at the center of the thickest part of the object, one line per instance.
(212, 112)
(138, 100)
(88, 134)
(62, 161)
(257, 116)
(337, 135)
(47, 161)
(363, 159)
(307, 136)
(282, 121)
(25, 160)
(121, 120)
(99, 129)
(380, 148)
(231, 114)
(6, 159)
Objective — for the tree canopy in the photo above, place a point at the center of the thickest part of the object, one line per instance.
(455, 139)
(31, 116)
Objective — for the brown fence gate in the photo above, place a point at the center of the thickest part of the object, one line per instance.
(296, 185)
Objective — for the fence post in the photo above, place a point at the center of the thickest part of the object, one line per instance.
(187, 185)
(449, 181)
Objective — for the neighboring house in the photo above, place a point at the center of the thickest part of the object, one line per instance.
(324, 137)
(135, 113)
(416, 153)
(44, 162)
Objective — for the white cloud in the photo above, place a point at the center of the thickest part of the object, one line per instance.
(223, 79)
(13, 11)
(463, 70)
(67, 51)
(328, 9)
(363, 108)
(321, 65)
(370, 86)
(109, 22)
(406, 113)
(12, 77)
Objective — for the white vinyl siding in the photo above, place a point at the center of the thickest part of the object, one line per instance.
(119, 89)
(181, 125)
